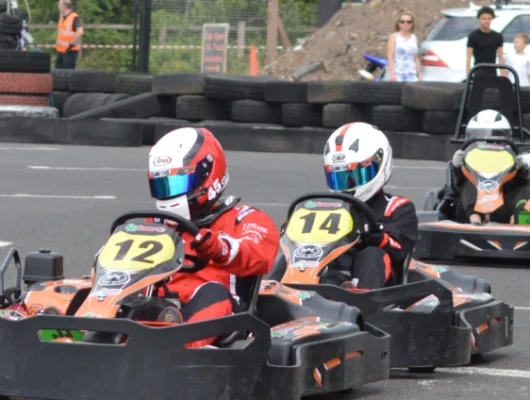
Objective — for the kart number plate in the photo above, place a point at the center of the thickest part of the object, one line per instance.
(132, 252)
(319, 226)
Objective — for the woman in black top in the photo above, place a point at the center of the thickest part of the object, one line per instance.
(485, 44)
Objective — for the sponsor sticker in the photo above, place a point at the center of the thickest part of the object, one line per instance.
(160, 161)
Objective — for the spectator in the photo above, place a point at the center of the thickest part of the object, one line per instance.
(402, 51)
(485, 44)
(69, 34)
(519, 60)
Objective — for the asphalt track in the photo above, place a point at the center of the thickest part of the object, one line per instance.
(65, 198)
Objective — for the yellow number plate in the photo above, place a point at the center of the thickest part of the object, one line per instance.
(127, 252)
(486, 161)
(325, 226)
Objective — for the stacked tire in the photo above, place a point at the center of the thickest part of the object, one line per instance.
(25, 84)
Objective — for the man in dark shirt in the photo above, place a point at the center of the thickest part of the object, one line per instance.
(485, 44)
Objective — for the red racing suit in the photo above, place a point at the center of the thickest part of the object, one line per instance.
(254, 242)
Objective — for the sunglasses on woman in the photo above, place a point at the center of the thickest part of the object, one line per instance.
(405, 21)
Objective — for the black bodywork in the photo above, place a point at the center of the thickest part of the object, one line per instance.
(286, 345)
(424, 338)
(441, 239)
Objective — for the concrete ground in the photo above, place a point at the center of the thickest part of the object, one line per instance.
(65, 198)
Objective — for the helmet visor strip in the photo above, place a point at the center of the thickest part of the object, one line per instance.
(350, 176)
(484, 133)
(176, 182)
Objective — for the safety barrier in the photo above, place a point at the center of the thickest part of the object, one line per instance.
(251, 113)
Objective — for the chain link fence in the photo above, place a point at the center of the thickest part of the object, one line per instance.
(176, 31)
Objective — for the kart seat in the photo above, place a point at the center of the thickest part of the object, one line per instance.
(402, 273)
(247, 288)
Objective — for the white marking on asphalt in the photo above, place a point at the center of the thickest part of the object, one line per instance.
(43, 167)
(522, 308)
(507, 373)
(46, 196)
(4, 244)
(30, 148)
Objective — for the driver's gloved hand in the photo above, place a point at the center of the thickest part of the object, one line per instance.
(522, 161)
(458, 159)
(374, 238)
(209, 245)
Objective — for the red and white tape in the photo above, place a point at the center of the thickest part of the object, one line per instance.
(130, 46)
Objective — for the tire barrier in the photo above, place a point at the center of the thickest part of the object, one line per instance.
(261, 113)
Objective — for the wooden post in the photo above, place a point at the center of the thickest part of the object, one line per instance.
(241, 27)
(283, 34)
(273, 13)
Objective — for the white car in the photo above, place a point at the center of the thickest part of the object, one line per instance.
(443, 53)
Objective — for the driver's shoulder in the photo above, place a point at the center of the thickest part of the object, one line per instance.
(396, 202)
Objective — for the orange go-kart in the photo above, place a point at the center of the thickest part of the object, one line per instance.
(435, 316)
(58, 334)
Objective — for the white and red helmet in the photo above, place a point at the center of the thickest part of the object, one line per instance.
(357, 158)
(187, 172)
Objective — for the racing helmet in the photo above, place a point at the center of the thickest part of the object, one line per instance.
(488, 124)
(187, 172)
(357, 160)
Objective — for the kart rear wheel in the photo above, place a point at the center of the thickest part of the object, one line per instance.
(422, 370)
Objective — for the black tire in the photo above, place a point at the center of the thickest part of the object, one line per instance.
(29, 112)
(440, 122)
(141, 106)
(199, 108)
(430, 96)
(81, 102)
(134, 84)
(92, 81)
(256, 111)
(24, 61)
(397, 118)
(10, 24)
(301, 114)
(58, 99)
(168, 106)
(286, 92)
(419, 145)
(178, 84)
(236, 87)
(335, 115)
(61, 79)
(8, 42)
(491, 99)
(121, 133)
(386, 93)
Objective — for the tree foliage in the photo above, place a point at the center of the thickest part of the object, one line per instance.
(183, 17)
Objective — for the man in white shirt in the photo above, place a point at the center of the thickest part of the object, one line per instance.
(520, 59)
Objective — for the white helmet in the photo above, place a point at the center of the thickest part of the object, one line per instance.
(488, 124)
(357, 158)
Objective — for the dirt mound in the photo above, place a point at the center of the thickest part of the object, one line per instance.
(356, 29)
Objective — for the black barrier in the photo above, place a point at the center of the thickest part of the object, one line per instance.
(270, 114)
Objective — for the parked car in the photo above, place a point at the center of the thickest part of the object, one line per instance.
(443, 53)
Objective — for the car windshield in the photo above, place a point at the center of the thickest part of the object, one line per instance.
(453, 28)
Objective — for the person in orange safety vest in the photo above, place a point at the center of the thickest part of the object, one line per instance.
(69, 33)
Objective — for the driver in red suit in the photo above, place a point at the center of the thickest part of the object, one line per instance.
(187, 176)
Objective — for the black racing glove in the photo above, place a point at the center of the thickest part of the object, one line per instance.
(374, 238)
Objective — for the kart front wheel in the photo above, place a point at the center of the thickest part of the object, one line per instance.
(422, 370)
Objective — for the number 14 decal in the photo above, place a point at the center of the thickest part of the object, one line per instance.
(330, 224)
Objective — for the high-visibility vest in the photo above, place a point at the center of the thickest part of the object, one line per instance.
(66, 33)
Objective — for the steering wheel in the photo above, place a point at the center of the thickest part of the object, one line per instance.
(491, 140)
(184, 225)
(373, 225)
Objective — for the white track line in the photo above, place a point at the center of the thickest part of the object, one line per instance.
(522, 308)
(30, 148)
(507, 373)
(43, 167)
(4, 244)
(418, 167)
(45, 196)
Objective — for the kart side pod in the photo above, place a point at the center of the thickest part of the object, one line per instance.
(43, 265)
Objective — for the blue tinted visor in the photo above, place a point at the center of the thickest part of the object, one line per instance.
(173, 183)
(348, 177)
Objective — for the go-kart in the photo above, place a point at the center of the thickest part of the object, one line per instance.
(289, 344)
(435, 316)
(489, 164)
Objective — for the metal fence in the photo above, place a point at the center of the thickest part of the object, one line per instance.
(176, 31)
